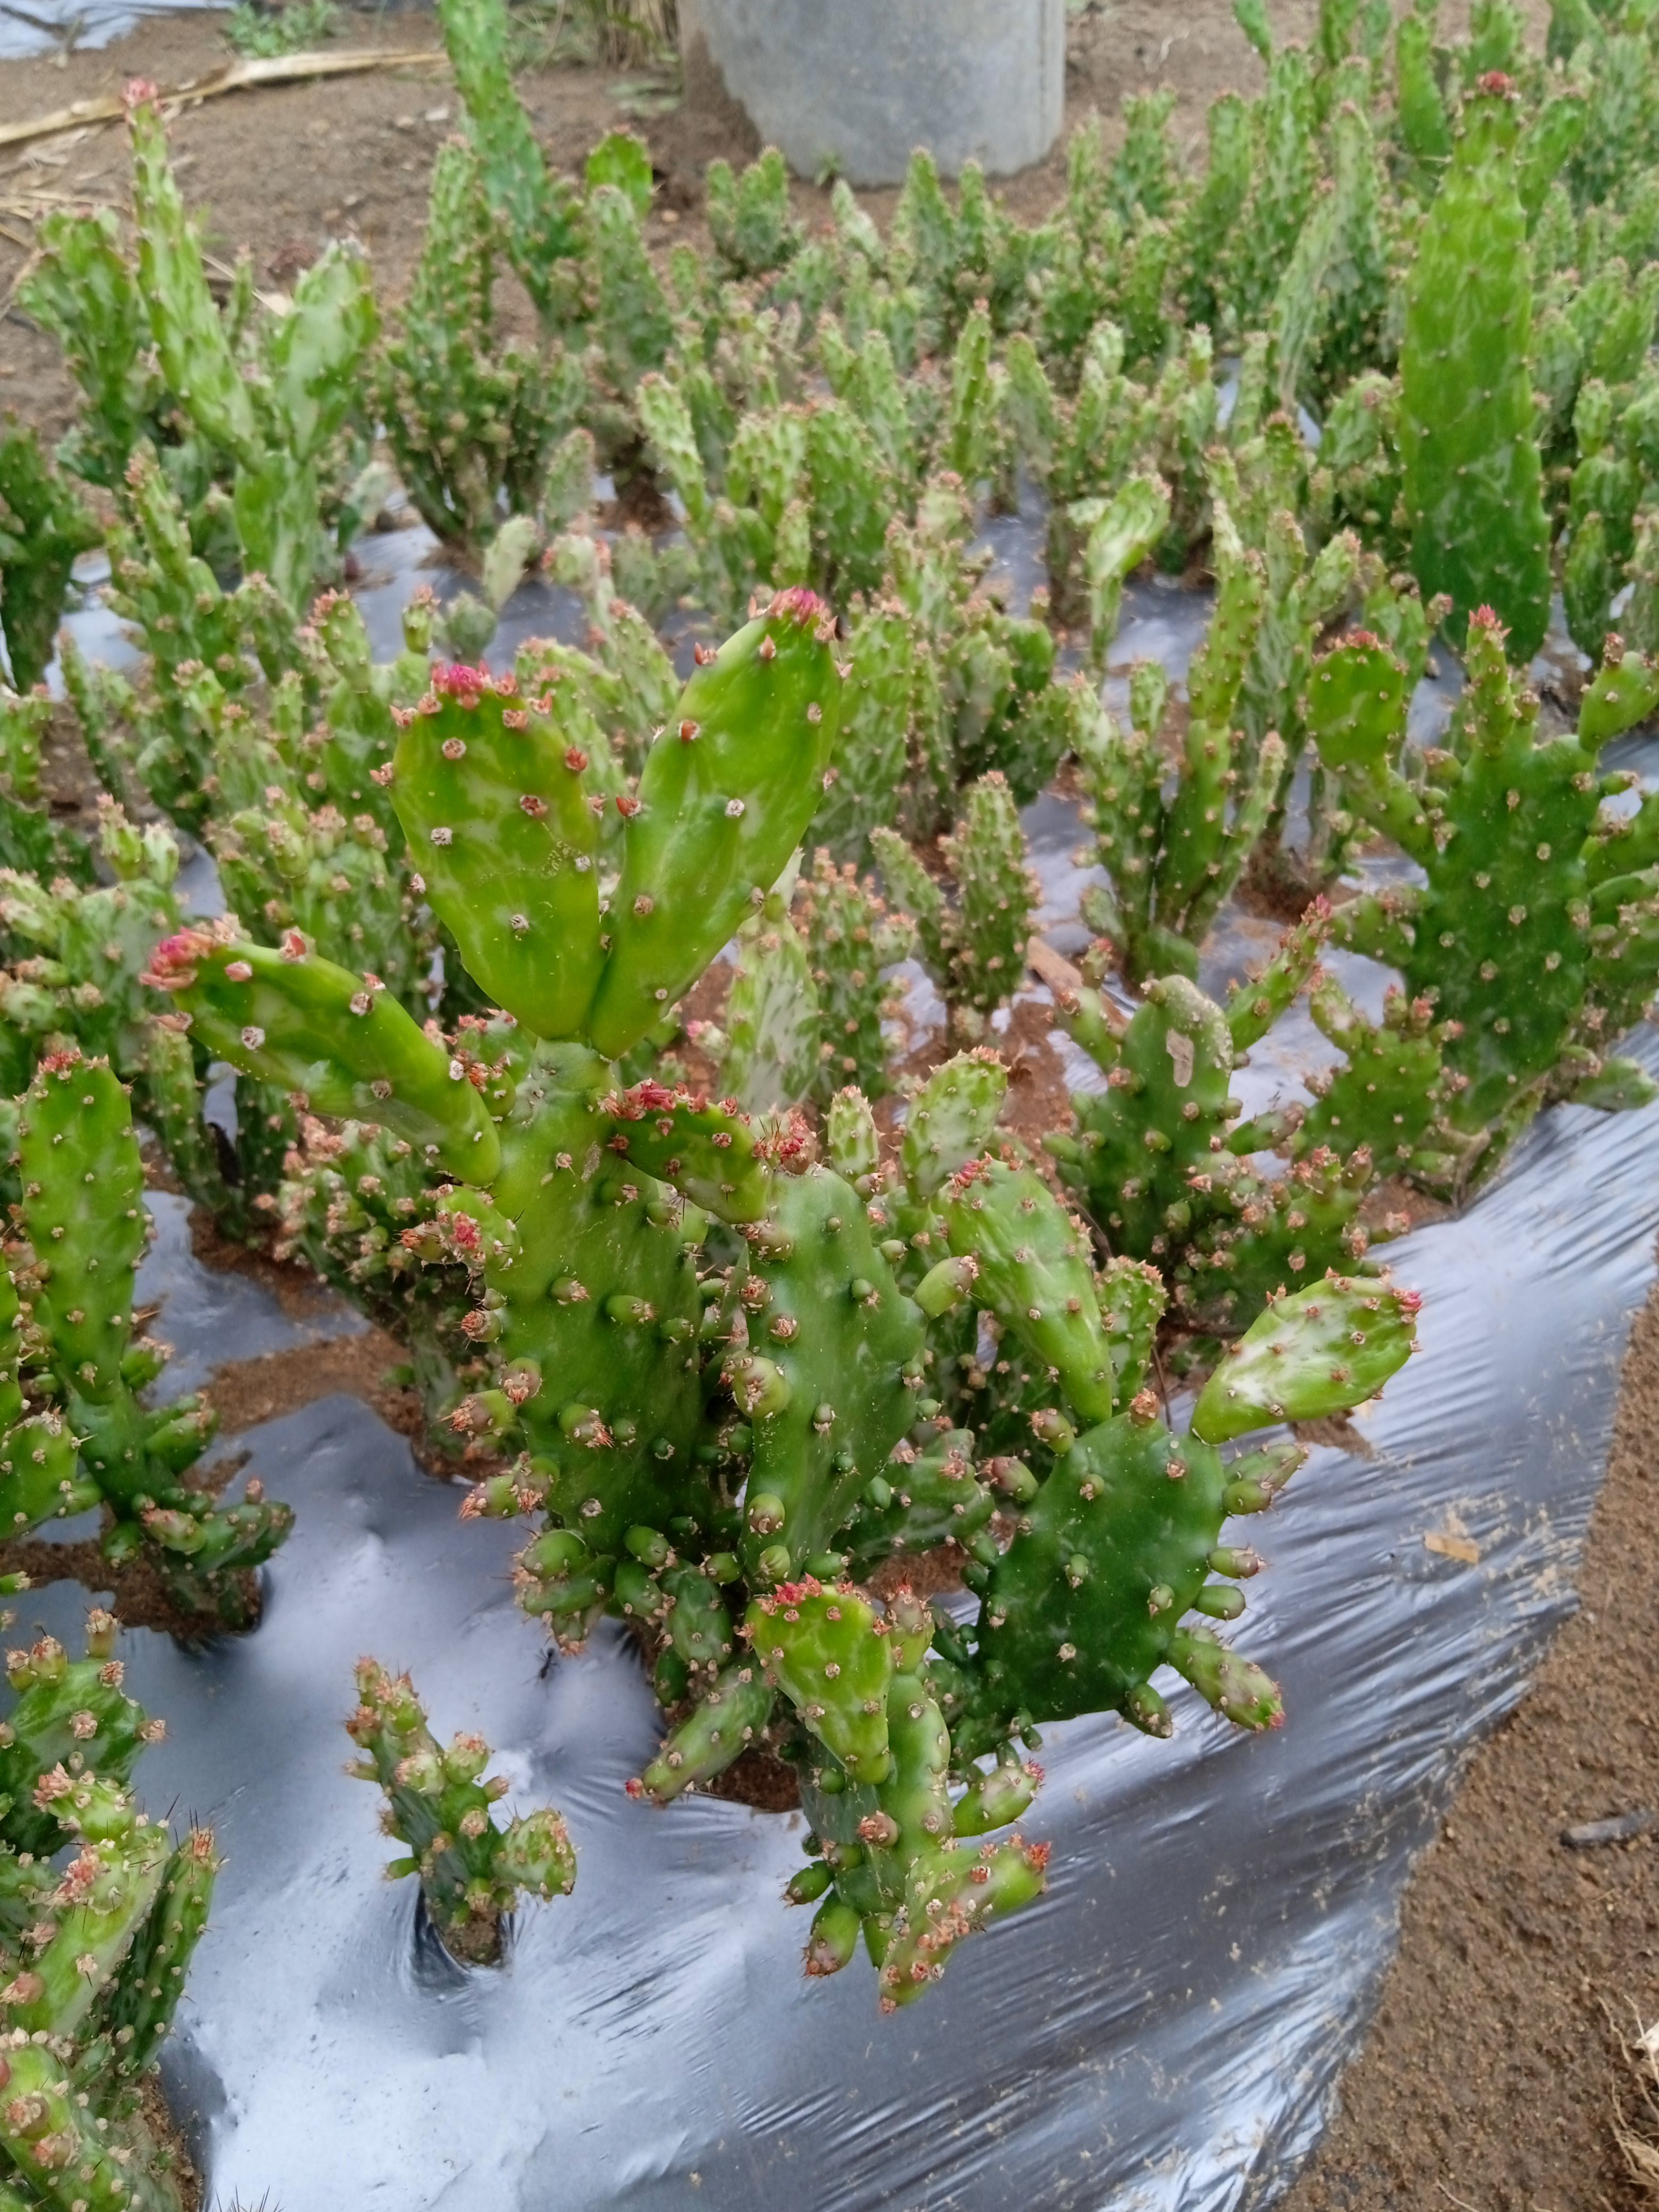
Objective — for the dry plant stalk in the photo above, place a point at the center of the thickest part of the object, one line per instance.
(1636, 2130)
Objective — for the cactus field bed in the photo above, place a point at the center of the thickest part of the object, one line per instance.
(755, 947)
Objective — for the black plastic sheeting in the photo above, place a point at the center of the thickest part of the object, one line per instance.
(1160, 2033)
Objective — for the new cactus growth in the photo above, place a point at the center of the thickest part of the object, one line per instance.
(440, 1804)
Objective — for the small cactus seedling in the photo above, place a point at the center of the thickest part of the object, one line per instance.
(974, 946)
(438, 1805)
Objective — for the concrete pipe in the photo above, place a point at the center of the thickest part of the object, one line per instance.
(856, 85)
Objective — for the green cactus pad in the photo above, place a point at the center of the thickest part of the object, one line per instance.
(500, 820)
(827, 1650)
(84, 1210)
(1321, 1352)
(835, 1358)
(1033, 1274)
(339, 1040)
(727, 790)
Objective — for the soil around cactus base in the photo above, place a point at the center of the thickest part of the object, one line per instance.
(167, 2131)
(1490, 2075)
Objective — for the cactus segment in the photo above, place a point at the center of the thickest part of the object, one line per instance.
(834, 1355)
(715, 1154)
(1321, 1352)
(724, 799)
(828, 1651)
(83, 1210)
(341, 1040)
(501, 820)
(588, 1305)
(1078, 1614)
(145, 1991)
(725, 1722)
(950, 1118)
(1121, 532)
(896, 1870)
(932, 1496)
(1033, 1274)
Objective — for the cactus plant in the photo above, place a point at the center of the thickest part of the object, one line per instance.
(81, 1212)
(1527, 930)
(470, 1871)
(716, 1425)
(1161, 1159)
(1471, 487)
(43, 527)
(1171, 862)
(975, 948)
(469, 421)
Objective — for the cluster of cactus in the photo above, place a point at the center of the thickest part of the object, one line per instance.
(735, 1359)
(730, 1377)
(273, 406)
(93, 1948)
(470, 1871)
(1161, 1158)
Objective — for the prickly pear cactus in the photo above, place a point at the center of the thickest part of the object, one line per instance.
(851, 940)
(1171, 861)
(1532, 905)
(974, 946)
(1119, 1545)
(96, 1945)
